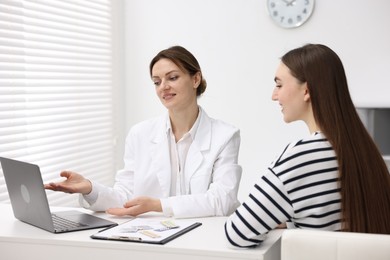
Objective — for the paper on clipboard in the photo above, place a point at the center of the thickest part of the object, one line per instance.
(155, 231)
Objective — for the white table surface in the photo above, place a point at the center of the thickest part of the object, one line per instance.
(19, 240)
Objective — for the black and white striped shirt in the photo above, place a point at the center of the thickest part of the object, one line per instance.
(300, 188)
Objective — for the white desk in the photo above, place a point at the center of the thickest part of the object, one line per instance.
(22, 241)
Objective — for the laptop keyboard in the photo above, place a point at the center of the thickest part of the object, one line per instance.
(65, 224)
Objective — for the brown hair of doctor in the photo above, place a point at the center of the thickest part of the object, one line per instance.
(184, 60)
(364, 177)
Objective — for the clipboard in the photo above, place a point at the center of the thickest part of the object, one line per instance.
(153, 231)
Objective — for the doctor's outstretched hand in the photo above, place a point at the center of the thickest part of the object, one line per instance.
(74, 183)
(137, 206)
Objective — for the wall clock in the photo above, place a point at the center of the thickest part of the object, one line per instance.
(290, 13)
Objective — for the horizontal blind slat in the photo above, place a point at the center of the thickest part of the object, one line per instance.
(52, 54)
(20, 60)
(43, 48)
(15, 26)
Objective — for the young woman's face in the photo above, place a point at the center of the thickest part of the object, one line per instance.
(291, 94)
(175, 88)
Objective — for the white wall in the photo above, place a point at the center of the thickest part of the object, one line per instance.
(238, 48)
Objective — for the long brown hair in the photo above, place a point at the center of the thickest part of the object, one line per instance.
(364, 177)
(185, 60)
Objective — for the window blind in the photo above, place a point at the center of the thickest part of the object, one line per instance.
(56, 101)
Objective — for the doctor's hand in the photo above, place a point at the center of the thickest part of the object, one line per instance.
(74, 183)
(137, 206)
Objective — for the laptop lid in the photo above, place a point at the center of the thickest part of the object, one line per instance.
(29, 201)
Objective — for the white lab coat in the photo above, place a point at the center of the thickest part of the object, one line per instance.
(212, 174)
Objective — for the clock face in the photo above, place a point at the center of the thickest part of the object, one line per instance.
(290, 13)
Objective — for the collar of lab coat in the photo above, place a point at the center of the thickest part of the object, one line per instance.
(202, 136)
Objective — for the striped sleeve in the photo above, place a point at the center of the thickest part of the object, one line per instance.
(266, 207)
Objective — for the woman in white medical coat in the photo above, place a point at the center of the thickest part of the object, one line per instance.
(184, 163)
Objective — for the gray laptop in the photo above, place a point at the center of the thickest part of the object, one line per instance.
(30, 204)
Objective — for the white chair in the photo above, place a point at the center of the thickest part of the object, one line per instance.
(300, 244)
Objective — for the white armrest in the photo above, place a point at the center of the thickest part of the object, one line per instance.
(300, 244)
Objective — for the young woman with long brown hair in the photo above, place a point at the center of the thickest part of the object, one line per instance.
(335, 179)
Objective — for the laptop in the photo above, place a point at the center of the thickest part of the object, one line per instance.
(30, 204)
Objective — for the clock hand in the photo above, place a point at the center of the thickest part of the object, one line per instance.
(291, 3)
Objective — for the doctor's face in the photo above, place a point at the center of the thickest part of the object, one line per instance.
(291, 94)
(175, 88)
